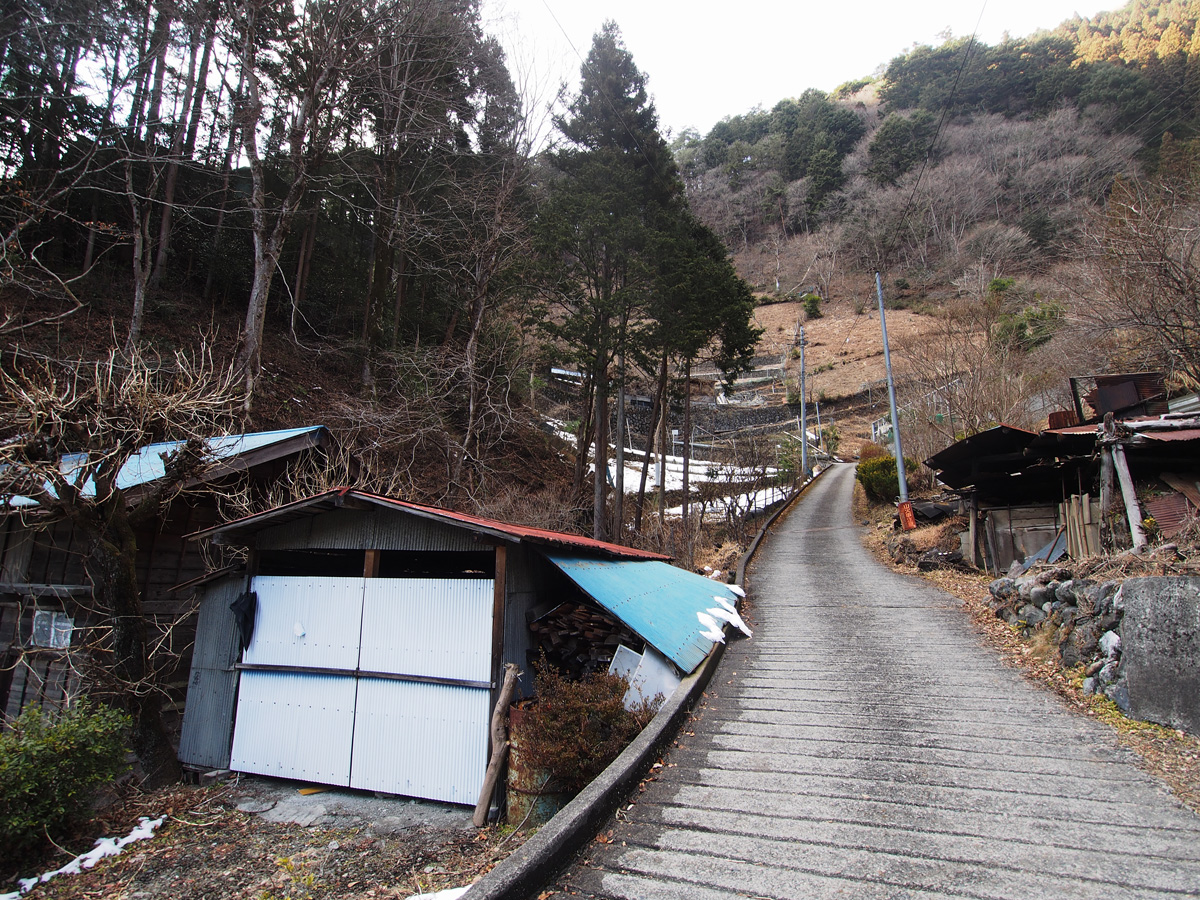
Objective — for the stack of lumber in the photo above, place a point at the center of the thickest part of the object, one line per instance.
(1082, 517)
(579, 639)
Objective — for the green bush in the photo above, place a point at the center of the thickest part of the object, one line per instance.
(812, 305)
(878, 477)
(50, 767)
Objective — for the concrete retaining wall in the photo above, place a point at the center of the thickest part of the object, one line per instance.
(1160, 650)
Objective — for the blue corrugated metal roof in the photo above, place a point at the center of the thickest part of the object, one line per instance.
(656, 600)
(147, 464)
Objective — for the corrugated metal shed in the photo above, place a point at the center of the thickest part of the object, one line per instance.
(212, 686)
(242, 529)
(658, 601)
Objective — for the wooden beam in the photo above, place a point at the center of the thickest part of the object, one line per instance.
(499, 608)
(1129, 495)
(499, 739)
(371, 563)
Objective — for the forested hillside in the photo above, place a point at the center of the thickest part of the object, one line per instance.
(342, 202)
(1035, 198)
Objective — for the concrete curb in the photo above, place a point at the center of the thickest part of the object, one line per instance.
(540, 858)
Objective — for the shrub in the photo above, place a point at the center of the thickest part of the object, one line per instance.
(832, 439)
(869, 450)
(812, 305)
(878, 477)
(576, 728)
(50, 767)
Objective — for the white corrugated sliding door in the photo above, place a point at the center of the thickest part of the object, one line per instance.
(424, 733)
(396, 692)
(295, 726)
(291, 724)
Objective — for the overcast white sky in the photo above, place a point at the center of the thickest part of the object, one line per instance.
(707, 61)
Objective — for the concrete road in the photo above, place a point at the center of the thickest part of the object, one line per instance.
(864, 744)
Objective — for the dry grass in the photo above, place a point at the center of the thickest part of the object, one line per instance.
(208, 849)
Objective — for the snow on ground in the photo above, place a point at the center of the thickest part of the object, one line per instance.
(104, 847)
(742, 504)
(448, 894)
(699, 471)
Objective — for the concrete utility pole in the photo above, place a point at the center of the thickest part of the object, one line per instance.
(803, 415)
(901, 475)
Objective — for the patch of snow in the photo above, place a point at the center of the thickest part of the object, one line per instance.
(448, 894)
(711, 629)
(730, 616)
(104, 847)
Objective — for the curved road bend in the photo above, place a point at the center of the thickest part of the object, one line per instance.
(865, 745)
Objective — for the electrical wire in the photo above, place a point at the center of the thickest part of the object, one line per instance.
(583, 64)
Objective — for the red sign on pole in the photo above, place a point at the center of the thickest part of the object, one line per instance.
(908, 521)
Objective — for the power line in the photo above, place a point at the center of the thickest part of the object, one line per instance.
(583, 64)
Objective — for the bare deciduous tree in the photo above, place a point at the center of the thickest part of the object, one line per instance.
(67, 429)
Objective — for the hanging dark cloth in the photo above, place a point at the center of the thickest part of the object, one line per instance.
(243, 609)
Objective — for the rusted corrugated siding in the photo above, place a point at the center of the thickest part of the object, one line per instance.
(1171, 512)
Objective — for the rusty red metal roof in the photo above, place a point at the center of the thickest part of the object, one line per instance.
(341, 497)
(1175, 434)
(1170, 512)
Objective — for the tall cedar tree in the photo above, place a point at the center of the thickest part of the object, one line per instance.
(615, 188)
(622, 242)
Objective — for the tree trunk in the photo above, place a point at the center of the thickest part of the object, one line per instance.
(177, 142)
(618, 523)
(651, 433)
(600, 454)
(307, 240)
(687, 436)
(201, 84)
(141, 260)
(112, 568)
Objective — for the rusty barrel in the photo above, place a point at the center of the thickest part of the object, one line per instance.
(532, 796)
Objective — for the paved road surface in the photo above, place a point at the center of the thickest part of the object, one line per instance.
(865, 745)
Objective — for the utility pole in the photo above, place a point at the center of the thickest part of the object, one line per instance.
(803, 415)
(901, 475)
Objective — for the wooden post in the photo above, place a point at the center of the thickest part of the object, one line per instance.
(371, 563)
(499, 610)
(973, 533)
(499, 745)
(1129, 495)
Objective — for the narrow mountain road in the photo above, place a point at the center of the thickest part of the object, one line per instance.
(864, 744)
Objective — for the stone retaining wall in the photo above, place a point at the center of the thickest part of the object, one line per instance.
(1139, 640)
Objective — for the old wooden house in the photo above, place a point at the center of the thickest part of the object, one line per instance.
(1120, 464)
(44, 593)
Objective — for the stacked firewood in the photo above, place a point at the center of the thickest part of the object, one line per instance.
(579, 639)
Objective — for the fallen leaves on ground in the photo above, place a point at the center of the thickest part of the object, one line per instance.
(208, 848)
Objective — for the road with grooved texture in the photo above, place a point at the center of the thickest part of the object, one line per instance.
(864, 744)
